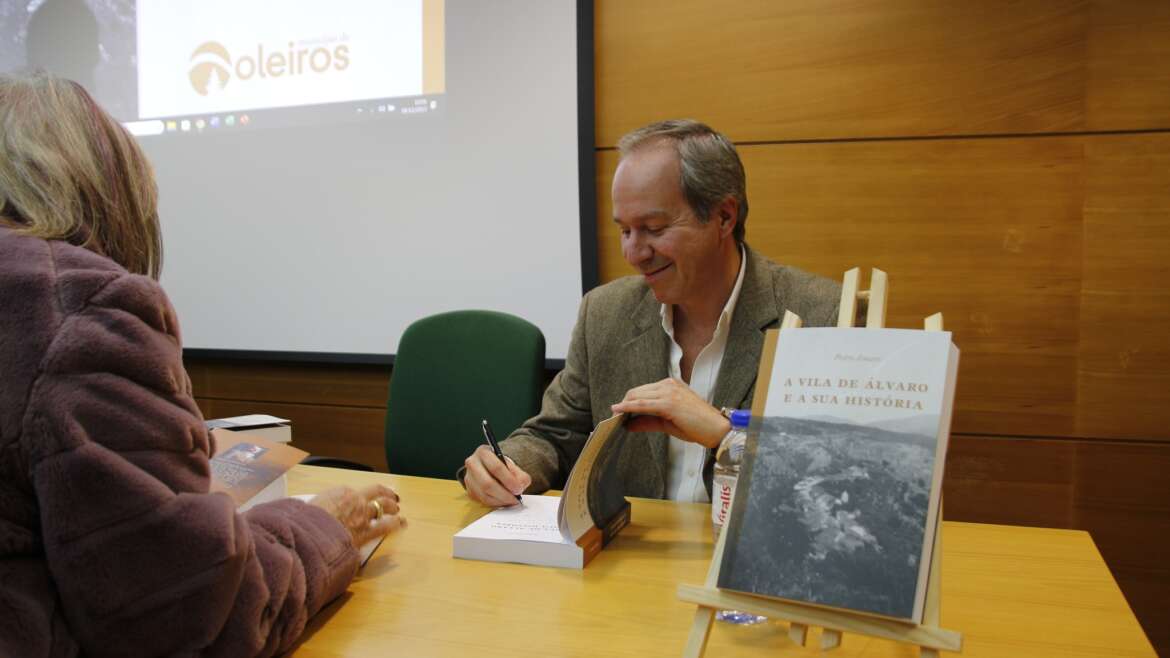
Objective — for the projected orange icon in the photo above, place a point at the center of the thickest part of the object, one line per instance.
(213, 60)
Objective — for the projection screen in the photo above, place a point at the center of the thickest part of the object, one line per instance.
(330, 172)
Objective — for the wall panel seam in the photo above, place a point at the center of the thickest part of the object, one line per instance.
(936, 138)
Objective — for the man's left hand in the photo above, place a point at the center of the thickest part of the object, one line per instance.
(671, 406)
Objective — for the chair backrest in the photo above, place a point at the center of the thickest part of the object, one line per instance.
(451, 371)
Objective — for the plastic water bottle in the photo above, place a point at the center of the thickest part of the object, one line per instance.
(728, 459)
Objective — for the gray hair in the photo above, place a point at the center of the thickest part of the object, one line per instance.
(711, 169)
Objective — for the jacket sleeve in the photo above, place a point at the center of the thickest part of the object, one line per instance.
(146, 562)
(547, 445)
(814, 298)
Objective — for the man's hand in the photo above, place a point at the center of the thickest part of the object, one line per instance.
(492, 482)
(671, 406)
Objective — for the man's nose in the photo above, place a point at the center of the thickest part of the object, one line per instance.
(637, 248)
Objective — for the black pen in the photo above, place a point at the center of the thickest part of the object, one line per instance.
(491, 439)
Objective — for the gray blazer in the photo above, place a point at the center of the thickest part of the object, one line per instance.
(618, 343)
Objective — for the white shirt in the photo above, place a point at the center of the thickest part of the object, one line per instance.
(685, 460)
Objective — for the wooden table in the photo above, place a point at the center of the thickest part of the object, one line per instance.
(1011, 591)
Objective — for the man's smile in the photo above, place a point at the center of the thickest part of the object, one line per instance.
(655, 274)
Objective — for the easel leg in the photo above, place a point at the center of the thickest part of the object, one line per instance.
(700, 631)
(830, 639)
(798, 633)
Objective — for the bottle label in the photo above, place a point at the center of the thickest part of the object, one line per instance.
(722, 488)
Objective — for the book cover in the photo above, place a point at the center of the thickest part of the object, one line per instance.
(565, 531)
(251, 468)
(839, 494)
(269, 427)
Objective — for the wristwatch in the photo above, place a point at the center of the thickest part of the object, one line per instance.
(726, 413)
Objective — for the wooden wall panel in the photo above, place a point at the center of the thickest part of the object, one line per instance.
(330, 384)
(1124, 378)
(336, 410)
(1128, 65)
(1125, 487)
(1011, 481)
(812, 69)
(353, 433)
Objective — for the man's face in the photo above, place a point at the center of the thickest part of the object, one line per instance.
(677, 255)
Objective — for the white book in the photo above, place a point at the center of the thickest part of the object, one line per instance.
(526, 533)
(551, 531)
(269, 427)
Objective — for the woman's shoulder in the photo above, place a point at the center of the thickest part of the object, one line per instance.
(52, 257)
(57, 273)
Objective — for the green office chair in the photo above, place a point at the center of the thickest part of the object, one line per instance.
(451, 371)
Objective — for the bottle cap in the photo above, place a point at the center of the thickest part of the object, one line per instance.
(740, 418)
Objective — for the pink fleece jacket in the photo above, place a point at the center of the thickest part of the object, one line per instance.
(110, 544)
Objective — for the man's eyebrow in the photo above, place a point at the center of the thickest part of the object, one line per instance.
(646, 215)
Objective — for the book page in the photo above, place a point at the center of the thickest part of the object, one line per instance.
(251, 420)
(573, 517)
(534, 519)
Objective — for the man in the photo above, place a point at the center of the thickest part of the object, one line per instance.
(671, 345)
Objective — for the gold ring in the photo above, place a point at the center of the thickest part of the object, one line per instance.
(378, 512)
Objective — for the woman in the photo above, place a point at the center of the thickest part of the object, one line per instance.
(110, 543)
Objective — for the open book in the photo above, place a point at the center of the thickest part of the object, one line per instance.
(557, 532)
(251, 468)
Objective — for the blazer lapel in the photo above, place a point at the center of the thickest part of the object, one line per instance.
(755, 311)
(648, 351)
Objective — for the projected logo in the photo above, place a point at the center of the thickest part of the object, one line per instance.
(210, 60)
(212, 65)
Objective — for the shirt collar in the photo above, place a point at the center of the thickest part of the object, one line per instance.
(667, 310)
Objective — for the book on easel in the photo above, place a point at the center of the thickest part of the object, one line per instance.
(838, 501)
(566, 531)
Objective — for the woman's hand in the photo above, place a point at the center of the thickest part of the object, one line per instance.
(357, 511)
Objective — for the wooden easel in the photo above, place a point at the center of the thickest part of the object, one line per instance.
(928, 636)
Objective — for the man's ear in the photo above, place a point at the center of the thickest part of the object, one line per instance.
(727, 212)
